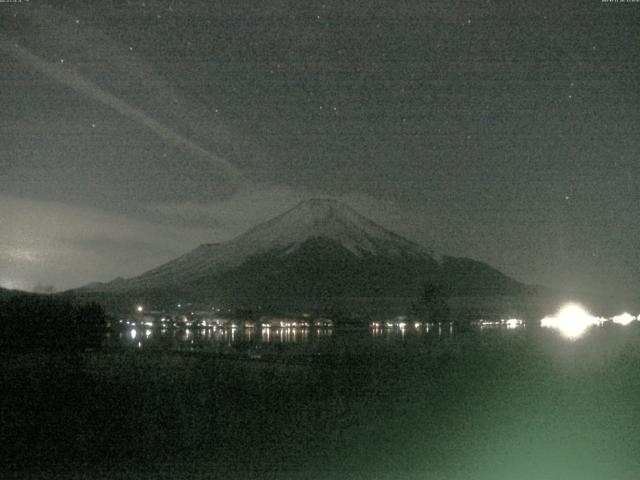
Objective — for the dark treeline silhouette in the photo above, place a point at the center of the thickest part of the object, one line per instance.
(48, 322)
(432, 306)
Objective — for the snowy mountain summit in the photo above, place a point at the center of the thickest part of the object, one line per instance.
(312, 219)
(329, 219)
(319, 248)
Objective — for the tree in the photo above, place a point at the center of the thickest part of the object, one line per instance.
(91, 325)
(432, 304)
(44, 289)
(37, 321)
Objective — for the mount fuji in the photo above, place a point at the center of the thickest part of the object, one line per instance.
(319, 249)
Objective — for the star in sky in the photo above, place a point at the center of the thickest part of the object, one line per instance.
(506, 90)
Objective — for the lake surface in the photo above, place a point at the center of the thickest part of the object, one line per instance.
(257, 340)
(299, 336)
(479, 403)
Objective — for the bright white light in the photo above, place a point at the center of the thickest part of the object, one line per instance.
(513, 323)
(572, 321)
(133, 333)
(139, 308)
(623, 319)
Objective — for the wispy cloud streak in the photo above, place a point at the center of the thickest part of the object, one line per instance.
(65, 75)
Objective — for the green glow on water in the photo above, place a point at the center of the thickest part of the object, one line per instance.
(488, 404)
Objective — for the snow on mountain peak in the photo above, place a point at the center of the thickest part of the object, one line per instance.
(329, 219)
(314, 218)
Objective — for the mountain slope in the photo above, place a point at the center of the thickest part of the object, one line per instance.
(318, 249)
(316, 218)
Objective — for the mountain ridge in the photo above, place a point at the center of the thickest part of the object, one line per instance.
(320, 247)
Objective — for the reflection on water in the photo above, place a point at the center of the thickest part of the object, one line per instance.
(571, 321)
(266, 334)
(499, 396)
(217, 337)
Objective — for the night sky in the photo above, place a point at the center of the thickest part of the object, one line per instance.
(508, 132)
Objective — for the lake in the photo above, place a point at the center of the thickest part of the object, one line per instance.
(426, 402)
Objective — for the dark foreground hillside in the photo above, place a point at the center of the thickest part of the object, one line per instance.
(501, 404)
(47, 322)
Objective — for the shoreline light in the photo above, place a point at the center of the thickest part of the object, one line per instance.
(623, 319)
(572, 320)
(513, 323)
